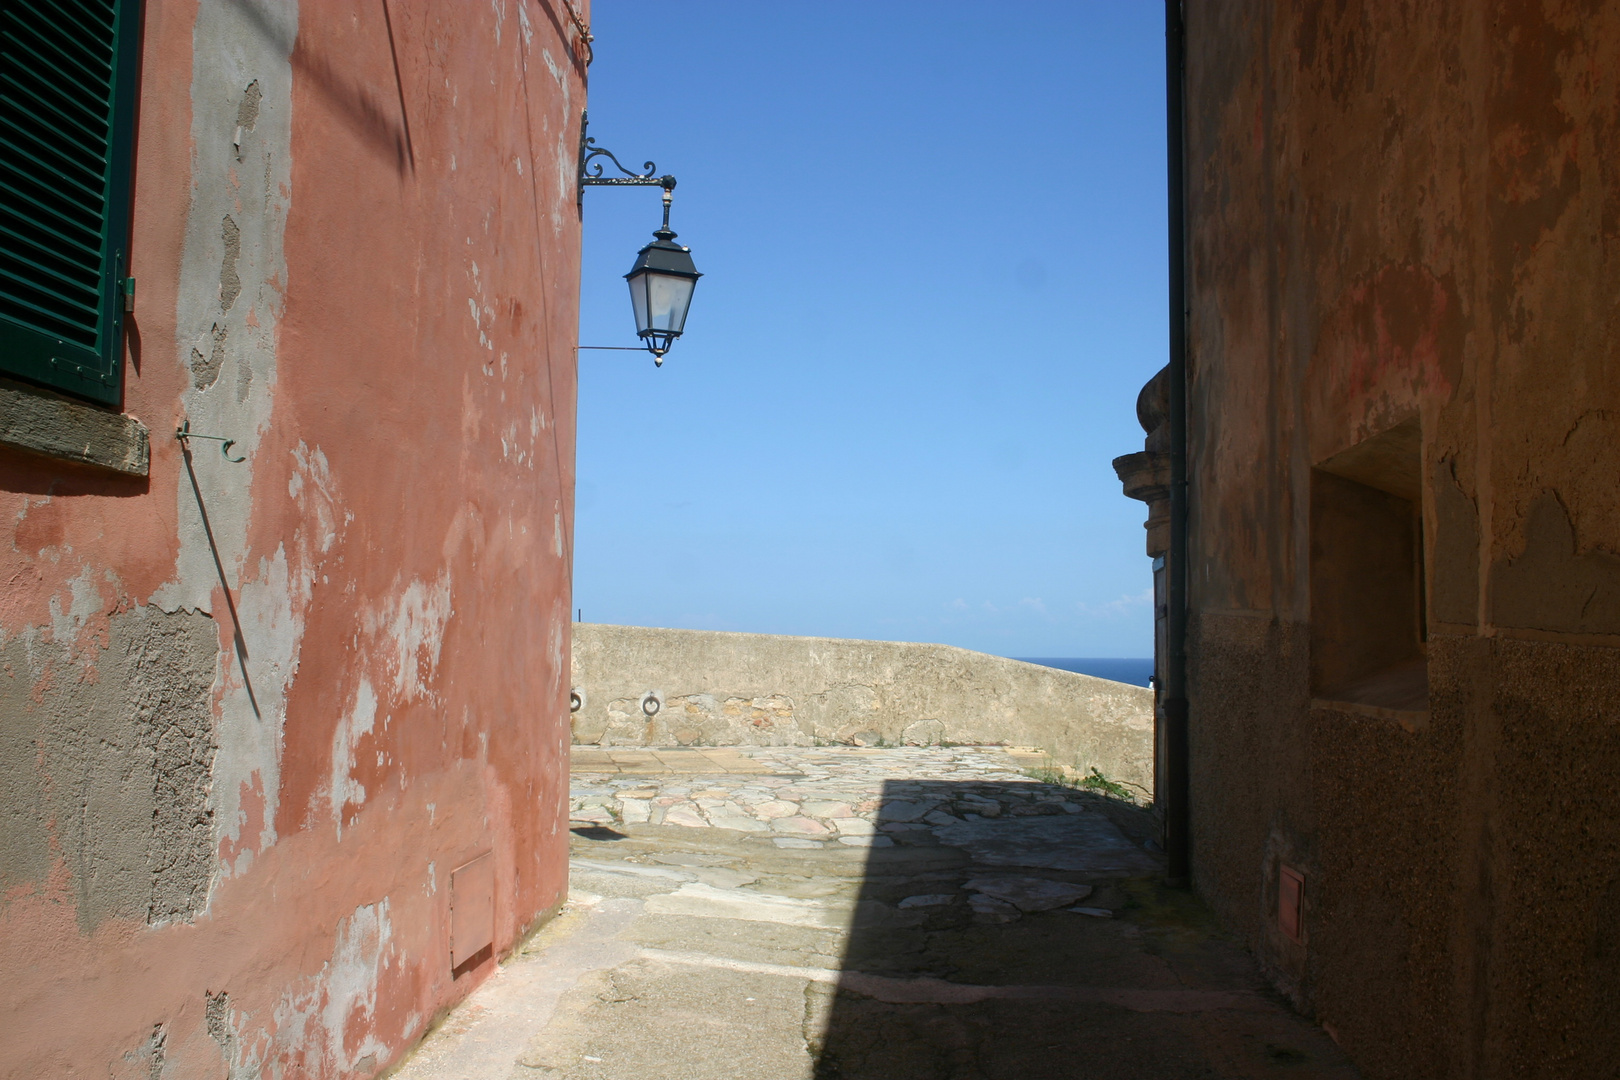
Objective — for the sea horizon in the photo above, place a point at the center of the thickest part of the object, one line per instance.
(1132, 670)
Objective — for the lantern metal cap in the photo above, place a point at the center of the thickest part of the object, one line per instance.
(664, 256)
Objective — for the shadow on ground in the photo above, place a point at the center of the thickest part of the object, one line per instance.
(1037, 943)
(841, 913)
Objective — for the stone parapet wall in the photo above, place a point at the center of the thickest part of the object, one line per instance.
(643, 686)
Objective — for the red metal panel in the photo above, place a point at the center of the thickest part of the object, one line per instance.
(1290, 902)
(472, 909)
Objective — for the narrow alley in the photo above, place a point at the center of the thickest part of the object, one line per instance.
(866, 914)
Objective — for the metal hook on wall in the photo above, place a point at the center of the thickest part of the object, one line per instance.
(184, 432)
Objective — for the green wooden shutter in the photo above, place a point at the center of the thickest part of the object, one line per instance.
(67, 122)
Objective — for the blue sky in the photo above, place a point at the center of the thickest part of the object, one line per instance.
(934, 247)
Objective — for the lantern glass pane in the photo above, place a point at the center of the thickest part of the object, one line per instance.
(638, 300)
(668, 297)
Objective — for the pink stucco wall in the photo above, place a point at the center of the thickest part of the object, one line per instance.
(357, 251)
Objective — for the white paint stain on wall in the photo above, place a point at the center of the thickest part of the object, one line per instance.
(313, 1022)
(361, 953)
(360, 721)
(271, 609)
(312, 488)
(500, 17)
(83, 601)
(412, 626)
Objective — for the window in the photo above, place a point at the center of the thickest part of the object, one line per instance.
(1368, 633)
(67, 118)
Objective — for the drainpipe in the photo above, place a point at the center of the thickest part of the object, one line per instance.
(1174, 701)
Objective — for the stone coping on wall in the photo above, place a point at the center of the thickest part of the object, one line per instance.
(652, 687)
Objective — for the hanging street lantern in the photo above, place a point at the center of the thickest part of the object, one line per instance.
(661, 284)
(663, 277)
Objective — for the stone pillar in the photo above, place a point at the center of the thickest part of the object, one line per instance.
(1146, 476)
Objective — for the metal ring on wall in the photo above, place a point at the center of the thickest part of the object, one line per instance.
(651, 702)
(576, 699)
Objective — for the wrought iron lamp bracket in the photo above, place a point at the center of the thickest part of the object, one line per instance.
(591, 171)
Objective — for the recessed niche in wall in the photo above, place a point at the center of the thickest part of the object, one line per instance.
(1367, 619)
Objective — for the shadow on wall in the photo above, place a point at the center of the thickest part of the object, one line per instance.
(1037, 943)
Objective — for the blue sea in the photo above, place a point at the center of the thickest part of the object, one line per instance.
(1135, 672)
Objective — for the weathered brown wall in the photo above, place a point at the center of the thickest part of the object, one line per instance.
(241, 756)
(1398, 210)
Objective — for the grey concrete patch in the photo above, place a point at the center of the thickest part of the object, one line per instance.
(108, 756)
(171, 661)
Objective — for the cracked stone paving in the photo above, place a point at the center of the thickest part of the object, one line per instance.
(843, 913)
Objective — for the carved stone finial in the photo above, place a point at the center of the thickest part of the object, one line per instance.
(1146, 475)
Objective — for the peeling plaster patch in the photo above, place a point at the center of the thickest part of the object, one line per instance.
(205, 370)
(567, 181)
(247, 114)
(230, 282)
(236, 857)
(271, 608)
(351, 980)
(1551, 585)
(220, 1020)
(312, 488)
(361, 721)
(232, 277)
(481, 311)
(84, 600)
(414, 626)
(150, 1055)
(345, 986)
(557, 645)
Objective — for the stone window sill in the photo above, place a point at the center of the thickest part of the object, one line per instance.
(51, 425)
(1413, 720)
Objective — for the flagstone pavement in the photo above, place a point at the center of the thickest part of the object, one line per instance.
(843, 913)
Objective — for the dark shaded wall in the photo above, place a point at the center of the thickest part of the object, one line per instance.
(1405, 218)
